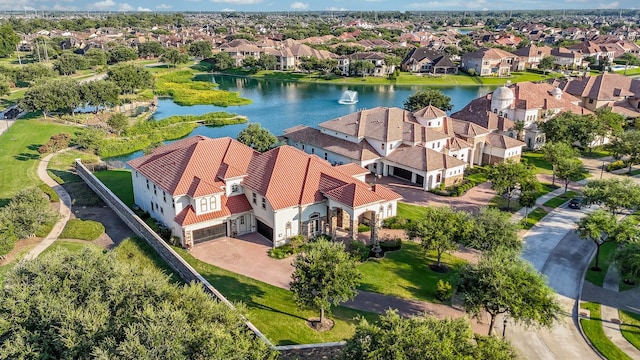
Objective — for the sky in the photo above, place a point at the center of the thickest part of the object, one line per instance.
(311, 5)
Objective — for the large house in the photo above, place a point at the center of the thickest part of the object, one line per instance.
(203, 189)
(425, 60)
(525, 102)
(486, 62)
(425, 147)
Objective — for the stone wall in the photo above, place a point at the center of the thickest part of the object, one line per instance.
(189, 274)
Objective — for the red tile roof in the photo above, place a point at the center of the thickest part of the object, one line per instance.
(231, 205)
(352, 169)
(175, 167)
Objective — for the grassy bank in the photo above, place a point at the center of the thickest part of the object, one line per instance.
(630, 327)
(19, 155)
(533, 217)
(592, 328)
(148, 132)
(187, 89)
(119, 182)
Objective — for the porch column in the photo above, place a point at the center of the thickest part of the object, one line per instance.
(333, 221)
(374, 229)
(385, 169)
(353, 229)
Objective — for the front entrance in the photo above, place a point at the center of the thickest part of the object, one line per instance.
(265, 230)
(209, 233)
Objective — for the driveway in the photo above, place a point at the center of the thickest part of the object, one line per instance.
(247, 256)
(554, 249)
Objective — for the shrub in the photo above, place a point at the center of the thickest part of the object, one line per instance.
(443, 290)
(296, 242)
(8, 240)
(55, 143)
(391, 244)
(53, 196)
(281, 252)
(616, 165)
(394, 222)
(359, 250)
(363, 228)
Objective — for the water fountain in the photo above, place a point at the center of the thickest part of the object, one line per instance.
(349, 97)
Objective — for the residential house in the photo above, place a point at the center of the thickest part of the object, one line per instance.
(565, 58)
(424, 60)
(486, 62)
(203, 189)
(615, 91)
(380, 68)
(530, 56)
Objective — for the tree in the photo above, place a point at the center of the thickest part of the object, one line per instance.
(596, 227)
(554, 151)
(5, 87)
(267, 62)
(121, 54)
(118, 122)
(8, 237)
(8, 40)
(89, 138)
(627, 144)
(627, 260)
(422, 338)
(615, 193)
(130, 77)
(424, 98)
(493, 230)
(53, 95)
(609, 123)
(257, 137)
(96, 57)
(573, 128)
(625, 231)
(150, 49)
(440, 229)
(518, 127)
(174, 56)
(31, 72)
(504, 284)
(100, 93)
(361, 67)
(546, 63)
(570, 169)
(511, 178)
(324, 275)
(28, 211)
(97, 304)
(200, 49)
(528, 200)
(68, 64)
(222, 61)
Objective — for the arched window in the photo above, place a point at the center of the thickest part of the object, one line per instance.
(314, 221)
(389, 210)
(212, 203)
(203, 205)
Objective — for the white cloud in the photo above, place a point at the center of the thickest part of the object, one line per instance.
(104, 4)
(163, 7)
(333, 8)
(238, 2)
(140, 8)
(228, 10)
(299, 5)
(125, 7)
(611, 5)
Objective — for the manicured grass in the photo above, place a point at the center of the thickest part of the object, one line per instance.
(536, 159)
(630, 327)
(61, 165)
(273, 310)
(534, 216)
(410, 212)
(561, 199)
(72, 246)
(118, 181)
(53, 196)
(596, 153)
(632, 173)
(593, 330)
(82, 229)
(597, 277)
(19, 155)
(406, 273)
(142, 254)
(500, 202)
(629, 72)
(515, 78)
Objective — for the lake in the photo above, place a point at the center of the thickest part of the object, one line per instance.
(278, 105)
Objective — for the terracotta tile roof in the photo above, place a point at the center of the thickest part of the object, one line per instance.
(352, 169)
(175, 167)
(478, 112)
(416, 133)
(430, 112)
(229, 205)
(307, 135)
(489, 54)
(287, 177)
(457, 144)
(503, 141)
(386, 193)
(468, 129)
(424, 159)
(353, 195)
(379, 123)
(603, 87)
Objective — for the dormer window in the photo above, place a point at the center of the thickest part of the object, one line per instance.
(235, 188)
(264, 203)
(203, 205)
(213, 203)
(254, 198)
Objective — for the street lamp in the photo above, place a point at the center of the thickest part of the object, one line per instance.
(504, 328)
(602, 169)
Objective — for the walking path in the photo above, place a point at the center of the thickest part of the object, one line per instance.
(65, 208)
(610, 316)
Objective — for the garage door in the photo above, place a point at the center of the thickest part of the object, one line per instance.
(209, 233)
(265, 230)
(402, 173)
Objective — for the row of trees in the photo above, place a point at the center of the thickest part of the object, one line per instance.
(564, 162)
(583, 130)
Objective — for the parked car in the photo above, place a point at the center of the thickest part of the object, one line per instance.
(576, 203)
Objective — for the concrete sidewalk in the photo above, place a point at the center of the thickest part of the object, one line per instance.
(520, 214)
(610, 316)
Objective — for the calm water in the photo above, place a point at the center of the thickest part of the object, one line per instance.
(278, 105)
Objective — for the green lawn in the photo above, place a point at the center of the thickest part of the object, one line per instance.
(273, 310)
(515, 78)
(606, 251)
(536, 159)
(593, 330)
(82, 229)
(629, 72)
(410, 212)
(61, 165)
(67, 245)
(118, 181)
(596, 153)
(406, 273)
(19, 155)
(630, 327)
(561, 199)
(534, 216)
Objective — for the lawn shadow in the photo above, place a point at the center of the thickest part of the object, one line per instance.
(64, 177)
(27, 157)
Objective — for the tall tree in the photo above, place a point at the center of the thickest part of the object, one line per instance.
(8, 40)
(427, 97)
(627, 261)
(570, 169)
(173, 56)
(100, 93)
(68, 64)
(627, 144)
(422, 338)
(493, 230)
(130, 77)
(94, 305)
(53, 95)
(615, 193)
(28, 211)
(546, 63)
(501, 284)
(267, 62)
(510, 178)
(200, 49)
(121, 54)
(596, 227)
(222, 61)
(440, 229)
(554, 151)
(30, 73)
(150, 49)
(5, 87)
(96, 57)
(257, 137)
(324, 275)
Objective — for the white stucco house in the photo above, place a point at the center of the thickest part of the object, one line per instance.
(203, 189)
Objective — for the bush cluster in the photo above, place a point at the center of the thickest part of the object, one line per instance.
(394, 222)
(56, 142)
(444, 290)
(295, 246)
(616, 165)
(187, 90)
